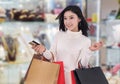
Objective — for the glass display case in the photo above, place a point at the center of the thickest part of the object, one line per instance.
(113, 41)
(24, 32)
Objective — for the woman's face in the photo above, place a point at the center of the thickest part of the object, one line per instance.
(71, 21)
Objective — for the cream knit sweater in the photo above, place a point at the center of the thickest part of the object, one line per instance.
(70, 47)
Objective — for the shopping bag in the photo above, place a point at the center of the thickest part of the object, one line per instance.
(42, 72)
(61, 77)
(74, 78)
(92, 75)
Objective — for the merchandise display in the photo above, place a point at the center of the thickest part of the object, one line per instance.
(25, 15)
(2, 14)
(118, 14)
(11, 46)
(113, 79)
(37, 31)
(113, 33)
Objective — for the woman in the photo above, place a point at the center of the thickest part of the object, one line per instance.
(71, 43)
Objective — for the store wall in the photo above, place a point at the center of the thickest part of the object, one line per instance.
(91, 7)
(106, 7)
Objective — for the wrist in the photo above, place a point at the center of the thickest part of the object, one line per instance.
(47, 54)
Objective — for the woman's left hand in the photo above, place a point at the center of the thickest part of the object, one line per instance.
(96, 46)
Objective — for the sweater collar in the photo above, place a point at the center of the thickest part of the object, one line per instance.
(71, 34)
(74, 33)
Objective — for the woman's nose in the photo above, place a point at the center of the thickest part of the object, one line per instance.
(68, 22)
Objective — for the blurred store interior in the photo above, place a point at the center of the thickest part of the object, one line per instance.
(22, 21)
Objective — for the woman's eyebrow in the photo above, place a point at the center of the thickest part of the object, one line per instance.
(70, 16)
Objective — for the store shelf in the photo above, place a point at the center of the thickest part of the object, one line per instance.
(11, 28)
(20, 4)
(31, 25)
(112, 40)
(113, 56)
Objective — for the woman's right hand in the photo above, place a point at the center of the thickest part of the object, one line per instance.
(39, 48)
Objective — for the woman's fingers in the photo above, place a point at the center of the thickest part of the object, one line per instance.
(96, 46)
(39, 48)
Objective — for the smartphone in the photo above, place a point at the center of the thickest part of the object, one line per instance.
(34, 43)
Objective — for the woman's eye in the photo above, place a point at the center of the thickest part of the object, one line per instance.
(71, 17)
